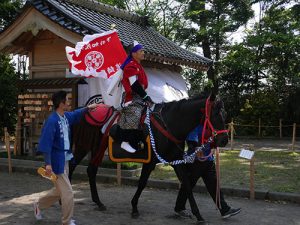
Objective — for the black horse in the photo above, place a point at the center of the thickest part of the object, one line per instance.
(178, 118)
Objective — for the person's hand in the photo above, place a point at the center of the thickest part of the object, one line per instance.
(48, 170)
(93, 106)
(148, 101)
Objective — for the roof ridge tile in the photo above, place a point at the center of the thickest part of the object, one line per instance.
(108, 9)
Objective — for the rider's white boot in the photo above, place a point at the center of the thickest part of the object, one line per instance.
(127, 147)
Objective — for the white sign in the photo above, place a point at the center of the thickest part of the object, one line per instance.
(246, 154)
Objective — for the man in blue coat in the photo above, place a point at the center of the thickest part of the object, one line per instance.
(54, 143)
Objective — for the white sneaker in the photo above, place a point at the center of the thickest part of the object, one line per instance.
(72, 222)
(37, 211)
(127, 147)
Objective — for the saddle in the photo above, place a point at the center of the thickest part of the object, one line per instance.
(117, 154)
(101, 116)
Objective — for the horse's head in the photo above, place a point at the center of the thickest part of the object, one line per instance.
(216, 114)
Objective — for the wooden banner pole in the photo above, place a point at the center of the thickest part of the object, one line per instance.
(119, 174)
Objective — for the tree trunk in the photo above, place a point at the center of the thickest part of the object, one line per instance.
(206, 44)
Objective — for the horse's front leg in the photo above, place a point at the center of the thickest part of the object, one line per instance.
(146, 171)
(92, 172)
(182, 174)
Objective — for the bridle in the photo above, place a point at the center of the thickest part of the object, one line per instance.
(206, 126)
(207, 123)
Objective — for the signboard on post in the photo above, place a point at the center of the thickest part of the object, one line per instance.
(246, 154)
(249, 155)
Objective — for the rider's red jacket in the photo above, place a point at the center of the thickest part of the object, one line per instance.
(133, 68)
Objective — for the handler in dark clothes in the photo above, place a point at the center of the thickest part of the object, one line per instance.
(204, 166)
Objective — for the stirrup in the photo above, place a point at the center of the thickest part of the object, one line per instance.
(127, 147)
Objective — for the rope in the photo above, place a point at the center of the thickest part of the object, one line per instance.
(186, 159)
(218, 188)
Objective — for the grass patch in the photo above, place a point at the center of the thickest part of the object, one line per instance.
(274, 171)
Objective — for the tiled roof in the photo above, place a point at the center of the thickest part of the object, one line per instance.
(88, 17)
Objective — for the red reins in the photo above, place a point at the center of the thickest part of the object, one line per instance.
(214, 132)
(207, 124)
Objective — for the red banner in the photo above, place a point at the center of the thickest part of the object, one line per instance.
(98, 55)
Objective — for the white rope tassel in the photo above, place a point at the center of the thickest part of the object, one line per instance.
(187, 158)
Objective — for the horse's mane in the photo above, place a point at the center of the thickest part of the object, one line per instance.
(202, 95)
(177, 104)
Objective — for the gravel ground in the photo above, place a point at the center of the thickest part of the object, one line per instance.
(19, 190)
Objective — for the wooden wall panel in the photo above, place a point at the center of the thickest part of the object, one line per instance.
(49, 56)
(49, 53)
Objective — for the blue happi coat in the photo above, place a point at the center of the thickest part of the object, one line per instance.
(52, 138)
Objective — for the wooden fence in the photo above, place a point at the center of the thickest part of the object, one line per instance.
(259, 126)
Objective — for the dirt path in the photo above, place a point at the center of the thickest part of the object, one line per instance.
(18, 191)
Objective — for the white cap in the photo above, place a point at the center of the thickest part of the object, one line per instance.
(135, 43)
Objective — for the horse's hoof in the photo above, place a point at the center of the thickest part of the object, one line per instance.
(135, 215)
(101, 207)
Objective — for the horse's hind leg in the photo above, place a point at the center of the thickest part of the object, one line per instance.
(146, 171)
(92, 172)
(181, 172)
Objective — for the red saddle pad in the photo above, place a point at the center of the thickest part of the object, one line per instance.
(100, 115)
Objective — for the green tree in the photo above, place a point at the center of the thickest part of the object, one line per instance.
(210, 24)
(195, 81)
(166, 16)
(121, 4)
(8, 93)
(266, 64)
(237, 79)
(8, 77)
(8, 10)
(281, 53)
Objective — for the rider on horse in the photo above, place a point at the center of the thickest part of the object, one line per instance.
(135, 83)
